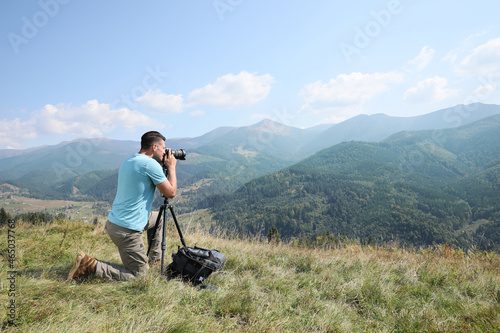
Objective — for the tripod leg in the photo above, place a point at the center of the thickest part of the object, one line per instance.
(152, 231)
(177, 225)
(163, 244)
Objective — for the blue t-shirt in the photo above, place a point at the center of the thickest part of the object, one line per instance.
(137, 180)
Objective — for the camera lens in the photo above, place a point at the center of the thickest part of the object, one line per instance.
(179, 154)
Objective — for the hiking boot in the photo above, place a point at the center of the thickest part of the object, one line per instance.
(154, 263)
(83, 265)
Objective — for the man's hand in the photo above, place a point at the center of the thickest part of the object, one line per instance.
(170, 160)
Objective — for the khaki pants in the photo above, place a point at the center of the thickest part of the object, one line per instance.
(132, 252)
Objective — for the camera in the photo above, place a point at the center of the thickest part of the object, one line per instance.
(179, 154)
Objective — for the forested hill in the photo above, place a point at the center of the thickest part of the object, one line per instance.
(417, 188)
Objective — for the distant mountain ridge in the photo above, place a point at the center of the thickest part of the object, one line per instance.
(224, 158)
(377, 127)
(190, 143)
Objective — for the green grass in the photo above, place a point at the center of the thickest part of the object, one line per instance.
(264, 287)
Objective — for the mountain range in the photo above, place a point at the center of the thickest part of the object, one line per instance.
(374, 128)
(224, 158)
(419, 179)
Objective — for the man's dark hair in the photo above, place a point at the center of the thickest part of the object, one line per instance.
(150, 138)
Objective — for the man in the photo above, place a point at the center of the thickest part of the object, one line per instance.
(138, 178)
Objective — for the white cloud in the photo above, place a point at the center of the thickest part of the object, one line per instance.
(92, 119)
(424, 58)
(463, 48)
(348, 89)
(484, 91)
(161, 102)
(14, 132)
(430, 90)
(484, 60)
(197, 113)
(233, 91)
(229, 91)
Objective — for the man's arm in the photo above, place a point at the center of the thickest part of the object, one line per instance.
(169, 187)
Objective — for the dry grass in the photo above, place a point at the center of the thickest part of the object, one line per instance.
(263, 288)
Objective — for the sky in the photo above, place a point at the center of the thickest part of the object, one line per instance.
(116, 69)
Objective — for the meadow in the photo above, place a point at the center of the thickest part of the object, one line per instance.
(264, 287)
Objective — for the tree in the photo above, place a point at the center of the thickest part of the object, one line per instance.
(4, 217)
(274, 235)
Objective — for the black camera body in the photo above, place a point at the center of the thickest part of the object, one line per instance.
(179, 154)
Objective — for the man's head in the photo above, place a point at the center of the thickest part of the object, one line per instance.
(154, 143)
(151, 138)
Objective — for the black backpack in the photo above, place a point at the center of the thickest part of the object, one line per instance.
(195, 264)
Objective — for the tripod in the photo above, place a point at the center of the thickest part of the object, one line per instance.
(152, 234)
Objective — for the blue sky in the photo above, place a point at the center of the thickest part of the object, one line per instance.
(84, 69)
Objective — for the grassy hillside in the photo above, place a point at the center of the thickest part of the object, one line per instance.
(265, 287)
